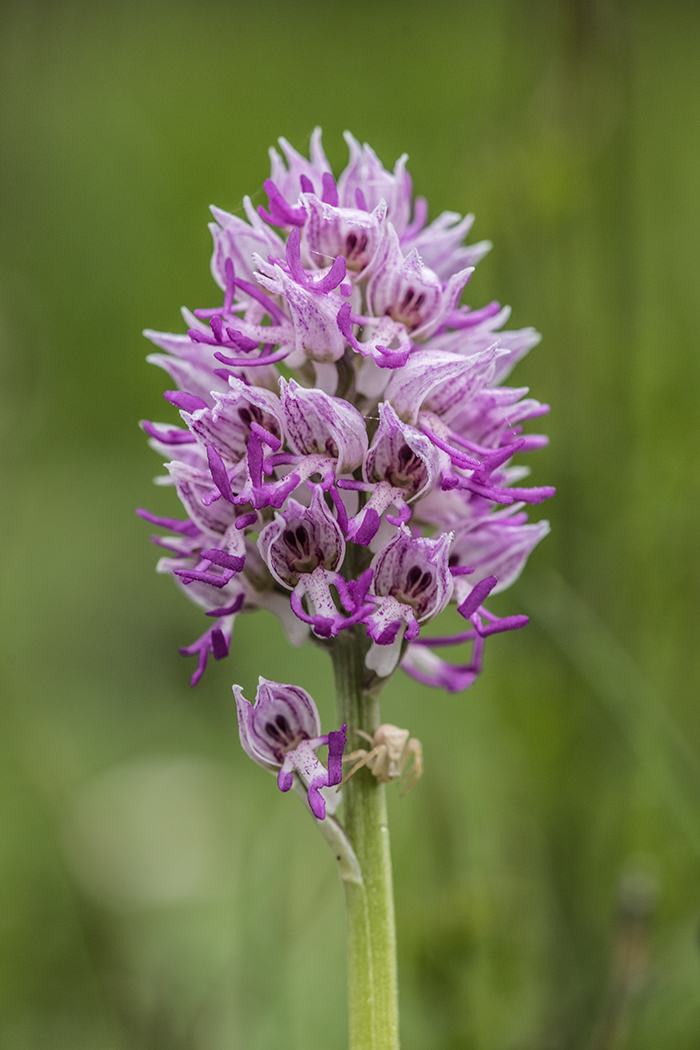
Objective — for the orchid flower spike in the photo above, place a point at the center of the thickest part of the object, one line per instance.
(381, 477)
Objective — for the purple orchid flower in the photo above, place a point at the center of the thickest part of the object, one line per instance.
(320, 425)
(299, 175)
(281, 731)
(405, 289)
(365, 183)
(228, 425)
(411, 584)
(353, 233)
(401, 465)
(391, 437)
(440, 245)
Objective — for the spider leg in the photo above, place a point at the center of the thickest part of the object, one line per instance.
(354, 755)
(411, 774)
(367, 756)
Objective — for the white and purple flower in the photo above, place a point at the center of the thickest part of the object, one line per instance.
(281, 731)
(378, 482)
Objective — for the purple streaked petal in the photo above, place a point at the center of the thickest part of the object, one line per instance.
(365, 181)
(317, 423)
(313, 315)
(425, 370)
(193, 486)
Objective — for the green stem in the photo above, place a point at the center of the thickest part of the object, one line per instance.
(372, 978)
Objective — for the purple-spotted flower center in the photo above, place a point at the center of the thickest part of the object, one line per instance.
(249, 414)
(282, 737)
(408, 472)
(356, 256)
(304, 554)
(414, 588)
(408, 311)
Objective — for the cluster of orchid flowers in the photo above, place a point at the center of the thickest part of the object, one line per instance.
(375, 487)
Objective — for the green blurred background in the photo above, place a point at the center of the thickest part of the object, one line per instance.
(156, 891)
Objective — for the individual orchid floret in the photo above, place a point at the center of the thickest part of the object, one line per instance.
(303, 547)
(281, 731)
(440, 245)
(411, 584)
(320, 425)
(242, 410)
(365, 182)
(238, 241)
(199, 495)
(410, 293)
(353, 233)
(401, 456)
(401, 465)
(216, 641)
(299, 175)
(312, 307)
(188, 364)
(497, 545)
(470, 331)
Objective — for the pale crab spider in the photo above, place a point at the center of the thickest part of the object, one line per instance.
(389, 758)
